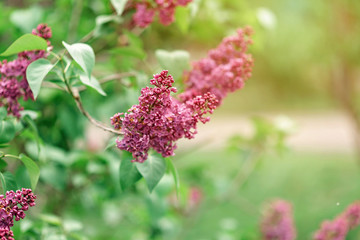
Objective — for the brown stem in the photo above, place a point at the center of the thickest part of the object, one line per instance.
(75, 94)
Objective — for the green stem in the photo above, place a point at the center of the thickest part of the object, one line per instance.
(11, 156)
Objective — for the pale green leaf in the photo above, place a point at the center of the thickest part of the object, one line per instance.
(26, 19)
(35, 74)
(92, 82)
(32, 169)
(119, 5)
(83, 55)
(27, 42)
(176, 62)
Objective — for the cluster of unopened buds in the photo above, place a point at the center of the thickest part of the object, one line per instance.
(277, 223)
(13, 206)
(13, 82)
(147, 9)
(159, 119)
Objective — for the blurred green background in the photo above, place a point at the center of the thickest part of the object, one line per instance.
(306, 60)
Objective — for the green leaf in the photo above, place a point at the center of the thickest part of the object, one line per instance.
(176, 62)
(129, 174)
(92, 82)
(175, 175)
(8, 182)
(119, 5)
(27, 19)
(83, 55)
(182, 16)
(153, 169)
(103, 20)
(3, 164)
(52, 219)
(27, 42)
(32, 168)
(7, 131)
(35, 74)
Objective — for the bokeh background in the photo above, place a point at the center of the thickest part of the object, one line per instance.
(292, 132)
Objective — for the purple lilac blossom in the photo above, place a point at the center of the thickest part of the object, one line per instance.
(146, 10)
(277, 222)
(224, 70)
(159, 120)
(12, 206)
(340, 226)
(13, 82)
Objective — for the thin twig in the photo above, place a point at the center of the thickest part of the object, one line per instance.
(76, 96)
(95, 122)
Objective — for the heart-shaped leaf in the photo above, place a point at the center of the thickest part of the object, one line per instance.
(35, 74)
(153, 169)
(83, 55)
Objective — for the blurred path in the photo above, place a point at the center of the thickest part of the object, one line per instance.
(319, 132)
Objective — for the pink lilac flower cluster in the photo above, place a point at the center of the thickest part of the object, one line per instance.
(277, 222)
(224, 70)
(13, 205)
(146, 10)
(159, 120)
(13, 82)
(338, 228)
